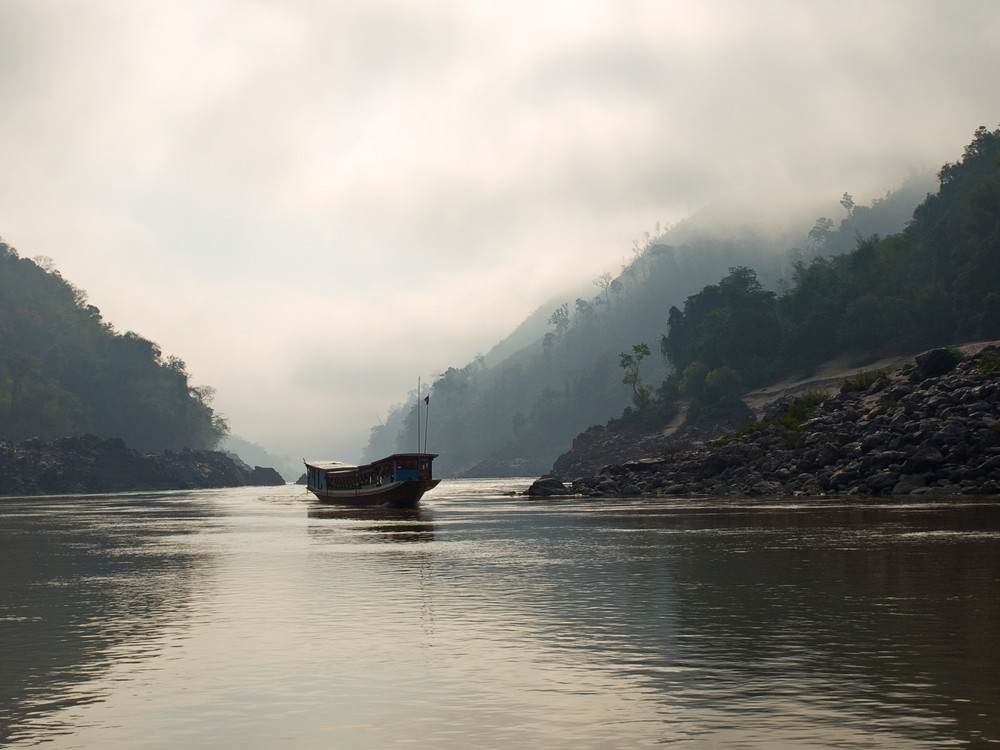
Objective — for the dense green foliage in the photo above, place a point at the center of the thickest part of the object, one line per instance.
(519, 407)
(63, 371)
(936, 282)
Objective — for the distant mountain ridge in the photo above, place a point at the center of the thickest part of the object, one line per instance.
(515, 415)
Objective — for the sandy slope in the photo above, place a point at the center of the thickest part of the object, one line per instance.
(830, 375)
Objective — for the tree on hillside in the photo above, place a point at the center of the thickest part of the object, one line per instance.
(820, 232)
(616, 288)
(847, 201)
(560, 319)
(604, 282)
(729, 324)
(630, 364)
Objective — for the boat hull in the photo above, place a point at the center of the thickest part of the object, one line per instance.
(399, 480)
(404, 494)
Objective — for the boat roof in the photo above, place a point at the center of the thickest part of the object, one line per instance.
(341, 466)
(329, 465)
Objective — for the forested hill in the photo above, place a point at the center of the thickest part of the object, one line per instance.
(935, 283)
(601, 352)
(64, 371)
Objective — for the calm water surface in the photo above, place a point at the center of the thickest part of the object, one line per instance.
(254, 618)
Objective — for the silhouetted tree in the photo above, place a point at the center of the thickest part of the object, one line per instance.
(630, 364)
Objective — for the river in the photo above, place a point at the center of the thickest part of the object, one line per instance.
(255, 618)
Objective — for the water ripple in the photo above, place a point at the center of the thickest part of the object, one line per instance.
(238, 618)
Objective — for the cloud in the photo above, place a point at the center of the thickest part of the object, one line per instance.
(312, 203)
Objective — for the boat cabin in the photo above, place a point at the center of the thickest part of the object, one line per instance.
(334, 476)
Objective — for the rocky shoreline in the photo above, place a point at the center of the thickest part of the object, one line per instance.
(931, 426)
(89, 464)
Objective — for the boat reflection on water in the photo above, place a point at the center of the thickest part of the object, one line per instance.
(376, 523)
(393, 542)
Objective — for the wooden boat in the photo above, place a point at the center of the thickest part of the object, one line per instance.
(399, 480)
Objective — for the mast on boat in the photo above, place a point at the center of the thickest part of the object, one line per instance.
(427, 408)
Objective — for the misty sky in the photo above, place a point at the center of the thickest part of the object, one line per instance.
(315, 202)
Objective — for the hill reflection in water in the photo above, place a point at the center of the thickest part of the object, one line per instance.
(92, 586)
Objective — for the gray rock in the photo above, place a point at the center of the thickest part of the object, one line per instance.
(908, 484)
(546, 487)
(91, 464)
(931, 427)
(935, 363)
(925, 459)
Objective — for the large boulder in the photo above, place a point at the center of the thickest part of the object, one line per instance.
(547, 486)
(934, 363)
(263, 476)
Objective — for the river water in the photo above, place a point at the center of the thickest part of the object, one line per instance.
(254, 618)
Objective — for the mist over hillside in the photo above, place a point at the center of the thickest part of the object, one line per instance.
(256, 455)
(512, 411)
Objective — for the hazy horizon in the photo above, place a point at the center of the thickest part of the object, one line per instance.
(313, 204)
